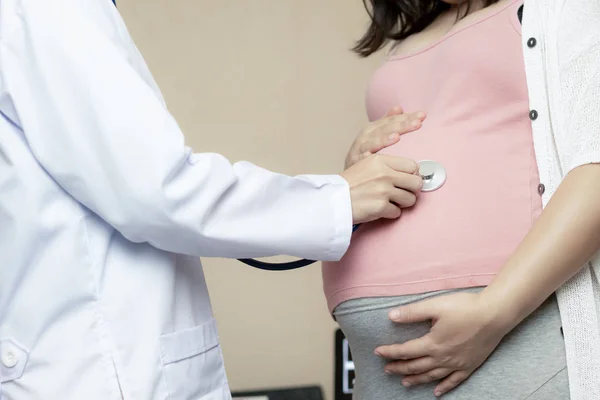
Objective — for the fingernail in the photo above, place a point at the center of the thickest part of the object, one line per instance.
(437, 394)
(393, 137)
(394, 314)
(421, 114)
(406, 384)
(416, 123)
(387, 371)
(378, 353)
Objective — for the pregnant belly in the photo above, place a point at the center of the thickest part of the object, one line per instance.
(465, 230)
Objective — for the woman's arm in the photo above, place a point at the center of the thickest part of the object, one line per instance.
(564, 238)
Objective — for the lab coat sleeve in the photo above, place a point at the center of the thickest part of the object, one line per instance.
(102, 132)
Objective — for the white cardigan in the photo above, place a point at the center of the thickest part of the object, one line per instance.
(563, 76)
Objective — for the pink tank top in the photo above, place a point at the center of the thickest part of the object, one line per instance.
(472, 85)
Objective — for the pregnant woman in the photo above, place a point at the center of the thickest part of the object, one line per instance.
(474, 264)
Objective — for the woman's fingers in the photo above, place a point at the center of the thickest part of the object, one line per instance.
(379, 140)
(353, 159)
(416, 348)
(389, 130)
(452, 381)
(383, 133)
(426, 377)
(414, 367)
(394, 111)
(397, 118)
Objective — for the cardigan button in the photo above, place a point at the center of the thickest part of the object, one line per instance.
(541, 189)
(533, 114)
(531, 43)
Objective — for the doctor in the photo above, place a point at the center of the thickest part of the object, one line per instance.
(104, 213)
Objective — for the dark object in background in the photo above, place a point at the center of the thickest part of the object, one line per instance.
(303, 393)
(344, 368)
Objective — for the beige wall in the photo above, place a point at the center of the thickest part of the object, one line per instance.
(270, 81)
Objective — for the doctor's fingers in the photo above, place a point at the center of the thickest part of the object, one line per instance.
(407, 181)
(403, 198)
(391, 211)
(399, 164)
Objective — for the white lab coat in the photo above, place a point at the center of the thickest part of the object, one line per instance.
(104, 213)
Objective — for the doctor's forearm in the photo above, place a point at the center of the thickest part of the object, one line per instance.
(563, 239)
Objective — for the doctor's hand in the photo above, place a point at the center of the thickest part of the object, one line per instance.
(383, 133)
(380, 186)
(463, 335)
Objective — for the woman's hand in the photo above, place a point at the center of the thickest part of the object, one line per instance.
(383, 133)
(463, 335)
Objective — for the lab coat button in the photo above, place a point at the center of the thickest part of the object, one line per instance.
(13, 360)
(531, 43)
(541, 189)
(433, 174)
(9, 359)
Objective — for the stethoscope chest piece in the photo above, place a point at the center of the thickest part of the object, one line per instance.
(433, 174)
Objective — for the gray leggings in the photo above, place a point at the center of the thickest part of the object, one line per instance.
(528, 364)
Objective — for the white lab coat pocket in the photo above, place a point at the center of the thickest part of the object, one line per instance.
(193, 364)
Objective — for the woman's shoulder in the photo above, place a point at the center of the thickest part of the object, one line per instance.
(445, 26)
(425, 38)
(578, 29)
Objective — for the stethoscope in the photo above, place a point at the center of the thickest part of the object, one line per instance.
(433, 175)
